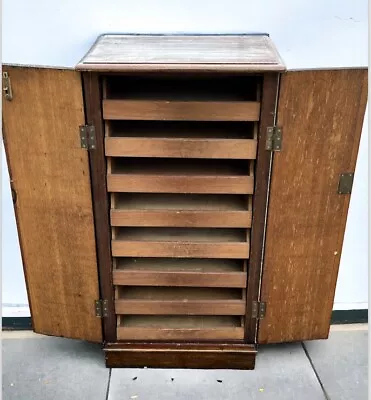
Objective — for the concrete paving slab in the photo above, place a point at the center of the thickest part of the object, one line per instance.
(53, 369)
(283, 372)
(341, 364)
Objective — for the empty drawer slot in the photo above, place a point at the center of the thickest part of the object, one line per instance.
(181, 129)
(180, 167)
(203, 88)
(216, 235)
(189, 202)
(179, 265)
(179, 293)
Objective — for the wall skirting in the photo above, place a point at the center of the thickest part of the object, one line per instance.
(338, 317)
(16, 323)
(349, 316)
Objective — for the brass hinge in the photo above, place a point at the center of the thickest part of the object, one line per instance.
(7, 87)
(274, 138)
(258, 309)
(101, 308)
(87, 137)
(346, 183)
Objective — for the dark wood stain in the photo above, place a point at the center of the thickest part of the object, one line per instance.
(270, 84)
(92, 94)
(202, 356)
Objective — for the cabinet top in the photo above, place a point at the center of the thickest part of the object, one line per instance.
(244, 53)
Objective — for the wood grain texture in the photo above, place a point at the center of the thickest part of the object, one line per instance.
(156, 183)
(262, 168)
(130, 248)
(210, 356)
(50, 176)
(180, 334)
(307, 217)
(179, 307)
(181, 218)
(254, 52)
(180, 327)
(180, 147)
(97, 162)
(177, 68)
(181, 110)
(179, 278)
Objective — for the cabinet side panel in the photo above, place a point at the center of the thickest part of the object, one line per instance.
(263, 164)
(98, 169)
(321, 113)
(49, 173)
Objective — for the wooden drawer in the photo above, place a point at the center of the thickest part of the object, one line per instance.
(180, 307)
(179, 272)
(181, 210)
(181, 218)
(180, 176)
(181, 110)
(181, 249)
(147, 300)
(177, 99)
(194, 279)
(184, 243)
(165, 328)
(181, 147)
(153, 183)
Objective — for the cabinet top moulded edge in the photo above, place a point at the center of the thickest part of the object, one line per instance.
(180, 53)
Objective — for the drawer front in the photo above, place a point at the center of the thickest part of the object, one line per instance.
(181, 148)
(180, 110)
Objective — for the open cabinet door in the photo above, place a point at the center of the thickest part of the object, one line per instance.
(50, 180)
(321, 113)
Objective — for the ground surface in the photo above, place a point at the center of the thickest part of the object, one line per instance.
(38, 367)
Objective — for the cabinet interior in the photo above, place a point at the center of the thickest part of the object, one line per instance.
(180, 154)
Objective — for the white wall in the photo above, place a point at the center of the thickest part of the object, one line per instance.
(14, 296)
(352, 285)
(311, 34)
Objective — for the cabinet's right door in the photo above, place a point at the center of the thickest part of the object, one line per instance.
(321, 112)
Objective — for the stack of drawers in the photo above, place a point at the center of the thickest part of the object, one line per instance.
(180, 155)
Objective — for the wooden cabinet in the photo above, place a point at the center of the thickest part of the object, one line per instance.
(185, 188)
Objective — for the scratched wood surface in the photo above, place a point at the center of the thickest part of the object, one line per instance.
(321, 113)
(253, 52)
(50, 177)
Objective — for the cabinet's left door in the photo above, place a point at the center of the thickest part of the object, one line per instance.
(50, 180)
